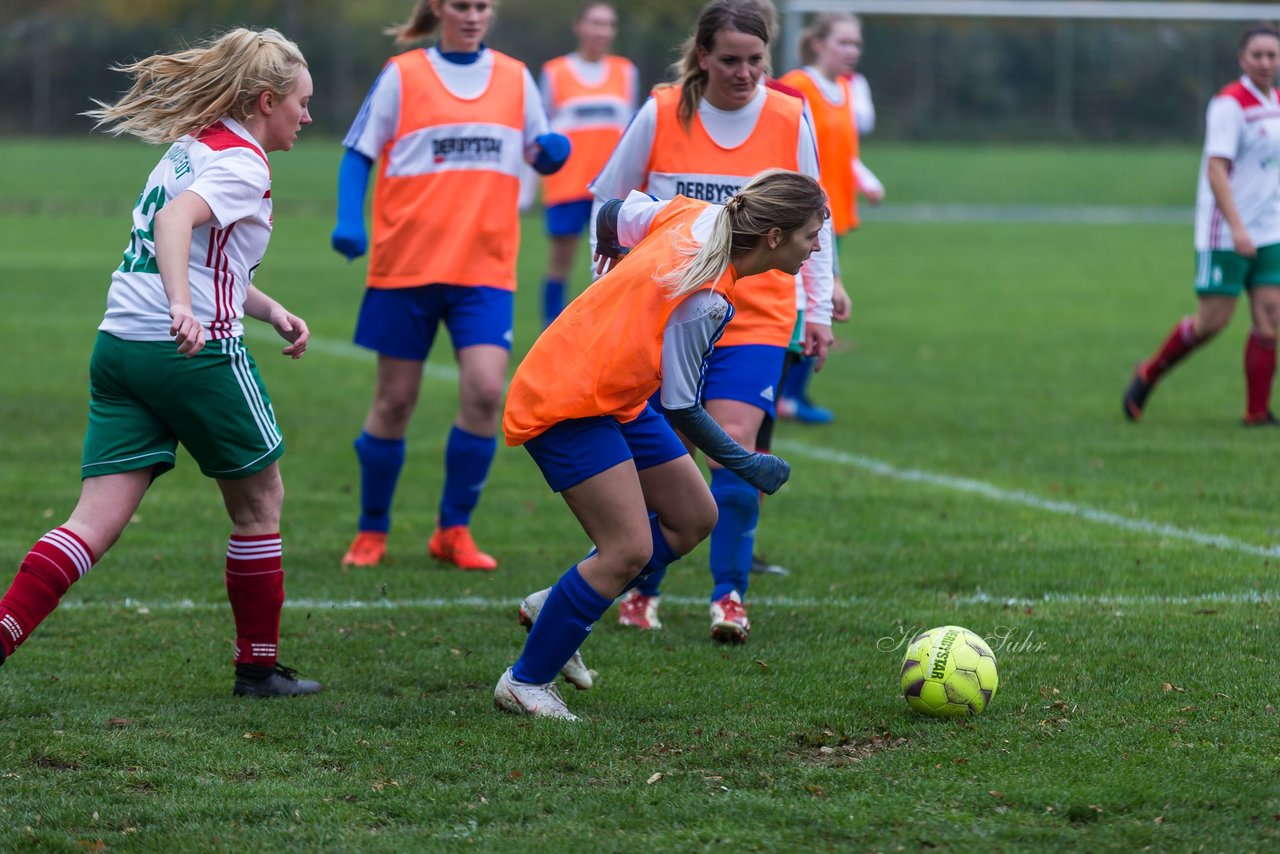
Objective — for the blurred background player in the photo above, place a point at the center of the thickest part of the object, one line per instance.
(1237, 232)
(590, 96)
(703, 137)
(645, 328)
(830, 48)
(449, 127)
(200, 230)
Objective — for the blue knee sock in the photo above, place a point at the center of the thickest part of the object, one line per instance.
(466, 467)
(734, 536)
(650, 578)
(552, 300)
(380, 464)
(796, 384)
(571, 609)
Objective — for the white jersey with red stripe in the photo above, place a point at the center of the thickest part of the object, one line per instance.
(1243, 126)
(227, 168)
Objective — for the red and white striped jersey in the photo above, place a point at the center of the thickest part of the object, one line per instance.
(227, 168)
(1243, 126)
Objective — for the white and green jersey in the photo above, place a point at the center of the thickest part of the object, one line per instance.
(227, 168)
(1242, 125)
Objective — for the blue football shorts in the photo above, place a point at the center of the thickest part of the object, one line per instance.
(744, 372)
(569, 219)
(402, 322)
(574, 450)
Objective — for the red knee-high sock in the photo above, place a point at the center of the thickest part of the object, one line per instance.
(54, 563)
(1259, 370)
(1181, 341)
(255, 586)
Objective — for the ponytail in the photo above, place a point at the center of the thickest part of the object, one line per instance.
(776, 198)
(422, 23)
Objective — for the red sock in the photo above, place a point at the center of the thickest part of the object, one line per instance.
(1259, 369)
(54, 563)
(255, 586)
(1181, 341)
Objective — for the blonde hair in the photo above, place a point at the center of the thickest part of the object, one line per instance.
(776, 198)
(819, 29)
(742, 16)
(180, 93)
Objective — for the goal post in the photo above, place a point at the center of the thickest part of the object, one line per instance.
(1039, 69)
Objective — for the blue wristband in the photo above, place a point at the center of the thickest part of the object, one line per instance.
(553, 151)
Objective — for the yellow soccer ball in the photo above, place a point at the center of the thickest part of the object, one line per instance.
(949, 671)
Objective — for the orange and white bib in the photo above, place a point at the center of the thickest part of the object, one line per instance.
(447, 196)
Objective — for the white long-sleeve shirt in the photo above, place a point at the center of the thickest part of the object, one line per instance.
(627, 171)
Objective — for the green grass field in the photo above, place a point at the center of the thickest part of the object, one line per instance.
(979, 473)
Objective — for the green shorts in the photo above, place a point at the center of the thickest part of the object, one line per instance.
(1223, 272)
(145, 398)
(797, 334)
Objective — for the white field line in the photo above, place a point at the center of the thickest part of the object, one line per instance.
(942, 481)
(1023, 213)
(1026, 499)
(477, 603)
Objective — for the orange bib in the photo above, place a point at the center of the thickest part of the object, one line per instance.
(593, 117)
(603, 354)
(837, 135)
(690, 163)
(445, 208)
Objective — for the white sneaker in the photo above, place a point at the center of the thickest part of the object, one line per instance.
(729, 623)
(574, 670)
(538, 701)
(639, 610)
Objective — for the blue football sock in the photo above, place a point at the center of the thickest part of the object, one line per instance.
(552, 300)
(796, 384)
(380, 464)
(650, 578)
(734, 536)
(566, 618)
(466, 467)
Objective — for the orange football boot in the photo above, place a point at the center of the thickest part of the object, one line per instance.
(454, 545)
(367, 549)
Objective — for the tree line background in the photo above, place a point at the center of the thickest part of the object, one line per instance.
(942, 78)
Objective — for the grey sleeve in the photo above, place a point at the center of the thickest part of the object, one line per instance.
(691, 332)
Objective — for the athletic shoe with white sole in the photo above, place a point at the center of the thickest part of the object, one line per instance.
(729, 623)
(537, 701)
(255, 680)
(638, 610)
(574, 670)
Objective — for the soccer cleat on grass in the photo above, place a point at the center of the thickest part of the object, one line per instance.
(454, 545)
(537, 701)
(638, 610)
(1267, 419)
(574, 670)
(729, 623)
(255, 680)
(367, 549)
(1135, 396)
(803, 411)
(761, 566)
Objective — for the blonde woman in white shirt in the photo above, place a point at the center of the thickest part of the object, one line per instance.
(169, 364)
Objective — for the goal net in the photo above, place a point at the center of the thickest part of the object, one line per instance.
(1039, 70)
